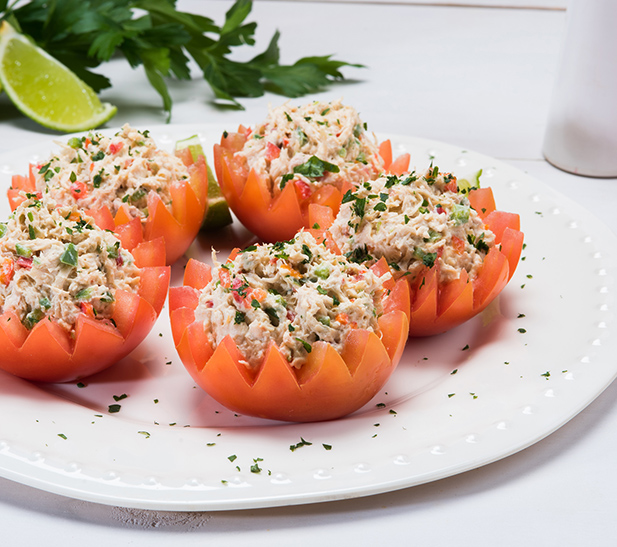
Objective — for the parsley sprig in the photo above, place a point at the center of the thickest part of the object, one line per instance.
(83, 34)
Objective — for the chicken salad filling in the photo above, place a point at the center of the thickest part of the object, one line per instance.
(94, 170)
(414, 221)
(56, 263)
(310, 146)
(293, 293)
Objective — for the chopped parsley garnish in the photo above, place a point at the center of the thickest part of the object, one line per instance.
(359, 255)
(273, 316)
(98, 178)
(314, 168)
(285, 178)
(255, 467)
(239, 318)
(478, 242)
(302, 442)
(359, 206)
(428, 259)
(381, 206)
(307, 346)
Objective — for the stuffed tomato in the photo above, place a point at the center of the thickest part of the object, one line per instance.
(296, 157)
(289, 331)
(446, 238)
(74, 298)
(123, 179)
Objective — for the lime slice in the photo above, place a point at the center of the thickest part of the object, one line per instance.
(46, 90)
(218, 214)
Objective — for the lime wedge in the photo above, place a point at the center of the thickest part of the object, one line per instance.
(218, 214)
(46, 90)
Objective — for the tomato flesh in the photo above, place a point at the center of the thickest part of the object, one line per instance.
(48, 353)
(328, 386)
(435, 307)
(280, 218)
(178, 227)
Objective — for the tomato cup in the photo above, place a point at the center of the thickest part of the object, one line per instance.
(49, 353)
(277, 219)
(436, 307)
(328, 386)
(177, 227)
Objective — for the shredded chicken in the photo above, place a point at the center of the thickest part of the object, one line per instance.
(292, 293)
(120, 171)
(413, 221)
(55, 262)
(312, 145)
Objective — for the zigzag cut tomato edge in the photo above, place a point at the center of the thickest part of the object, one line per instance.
(435, 307)
(49, 353)
(277, 219)
(328, 386)
(178, 227)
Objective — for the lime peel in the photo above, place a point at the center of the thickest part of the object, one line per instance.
(218, 214)
(44, 89)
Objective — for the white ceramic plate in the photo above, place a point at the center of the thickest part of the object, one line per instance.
(479, 393)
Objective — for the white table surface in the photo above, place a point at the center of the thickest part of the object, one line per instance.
(477, 77)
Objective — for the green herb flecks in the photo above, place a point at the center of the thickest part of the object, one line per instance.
(302, 442)
(314, 168)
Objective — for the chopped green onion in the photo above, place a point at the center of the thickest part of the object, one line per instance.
(69, 256)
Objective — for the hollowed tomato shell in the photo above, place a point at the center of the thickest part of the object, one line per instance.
(328, 386)
(177, 227)
(277, 219)
(48, 353)
(436, 307)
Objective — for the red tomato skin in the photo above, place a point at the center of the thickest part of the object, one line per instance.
(436, 307)
(178, 227)
(272, 151)
(48, 353)
(78, 190)
(7, 270)
(280, 218)
(328, 386)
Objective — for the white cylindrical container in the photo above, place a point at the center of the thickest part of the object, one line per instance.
(581, 133)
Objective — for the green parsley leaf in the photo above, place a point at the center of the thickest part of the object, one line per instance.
(302, 442)
(314, 168)
(84, 34)
(305, 344)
